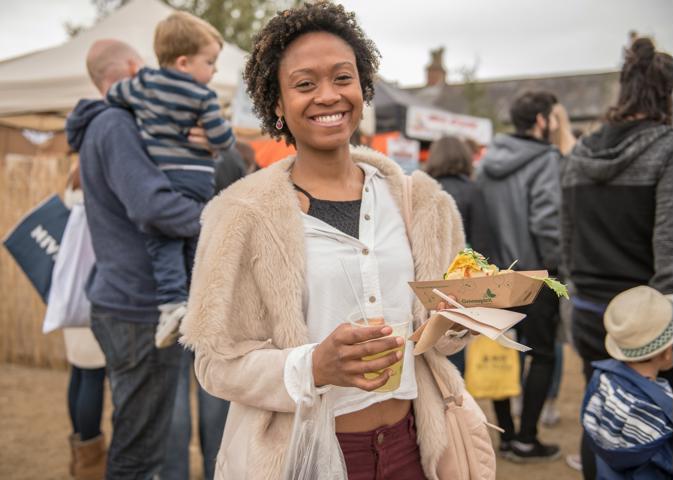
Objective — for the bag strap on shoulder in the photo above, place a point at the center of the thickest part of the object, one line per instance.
(444, 389)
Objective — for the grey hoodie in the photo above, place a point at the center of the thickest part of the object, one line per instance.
(520, 180)
(617, 213)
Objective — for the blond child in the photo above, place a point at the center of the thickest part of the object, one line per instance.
(167, 102)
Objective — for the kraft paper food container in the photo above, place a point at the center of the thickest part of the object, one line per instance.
(505, 290)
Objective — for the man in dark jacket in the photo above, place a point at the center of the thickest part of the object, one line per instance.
(126, 196)
(519, 176)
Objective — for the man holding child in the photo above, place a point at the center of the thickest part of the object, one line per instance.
(147, 170)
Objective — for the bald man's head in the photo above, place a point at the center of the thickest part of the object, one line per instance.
(109, 61)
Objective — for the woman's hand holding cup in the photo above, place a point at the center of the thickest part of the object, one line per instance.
(338, 360)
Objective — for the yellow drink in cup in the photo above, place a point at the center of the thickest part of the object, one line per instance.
(391, 318)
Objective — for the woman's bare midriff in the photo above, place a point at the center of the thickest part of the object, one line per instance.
(378, 415)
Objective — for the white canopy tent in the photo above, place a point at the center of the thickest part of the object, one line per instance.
(54, 79)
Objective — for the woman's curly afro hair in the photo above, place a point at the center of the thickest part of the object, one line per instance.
(261, 70)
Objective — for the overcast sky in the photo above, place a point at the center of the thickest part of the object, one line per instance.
(507, 37)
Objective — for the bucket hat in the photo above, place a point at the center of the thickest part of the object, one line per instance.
(639, 324)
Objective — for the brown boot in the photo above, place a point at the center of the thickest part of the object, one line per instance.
(72, 439)
(90, 458)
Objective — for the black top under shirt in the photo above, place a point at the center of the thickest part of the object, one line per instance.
(342, 215)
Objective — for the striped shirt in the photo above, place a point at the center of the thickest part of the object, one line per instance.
(615, 417)
(166, 104)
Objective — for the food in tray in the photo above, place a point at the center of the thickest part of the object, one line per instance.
(469, 263)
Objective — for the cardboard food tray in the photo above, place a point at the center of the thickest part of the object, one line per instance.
(505, 290)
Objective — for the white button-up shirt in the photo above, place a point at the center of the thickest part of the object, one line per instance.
(379, 264)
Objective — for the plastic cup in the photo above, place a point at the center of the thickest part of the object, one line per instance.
(399, 321)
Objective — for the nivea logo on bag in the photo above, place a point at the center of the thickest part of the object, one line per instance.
(35, 241)
(45, 241)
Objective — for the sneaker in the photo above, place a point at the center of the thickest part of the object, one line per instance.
(550, 415)
(574, 461)
(505, 448)
(168, 328)
(533, 452)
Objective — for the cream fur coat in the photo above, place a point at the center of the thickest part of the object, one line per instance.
(245, 310)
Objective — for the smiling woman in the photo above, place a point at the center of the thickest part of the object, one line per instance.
(291, 253)
(321, 99)
(270, 49)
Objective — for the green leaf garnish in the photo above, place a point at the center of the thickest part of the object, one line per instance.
(559, 289)
(478, 258)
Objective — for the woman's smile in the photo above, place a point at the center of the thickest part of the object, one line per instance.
(330, 120)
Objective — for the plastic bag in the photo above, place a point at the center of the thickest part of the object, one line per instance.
(67, 305)
(491, 370)
(314, 450)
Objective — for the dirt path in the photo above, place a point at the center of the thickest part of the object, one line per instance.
(566, 433)
(34, 427)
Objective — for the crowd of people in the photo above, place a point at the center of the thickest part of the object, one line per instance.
(257, 282)
(595, 211)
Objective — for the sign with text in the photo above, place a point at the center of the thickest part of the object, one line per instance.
(405, 152)
(430, 124)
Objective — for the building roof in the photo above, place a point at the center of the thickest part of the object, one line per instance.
(586, 96)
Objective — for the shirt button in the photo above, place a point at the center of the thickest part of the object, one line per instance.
(380, 438)
(365, 251)
(367, 217)
(366, 189)
(372, 299)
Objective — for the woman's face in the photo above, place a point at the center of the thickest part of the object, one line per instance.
(320, 95)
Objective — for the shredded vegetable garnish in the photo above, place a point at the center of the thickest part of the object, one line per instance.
(470, 263)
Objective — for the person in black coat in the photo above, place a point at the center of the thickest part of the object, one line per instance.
(450, 163)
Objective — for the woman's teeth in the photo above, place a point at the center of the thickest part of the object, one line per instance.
(329, 118)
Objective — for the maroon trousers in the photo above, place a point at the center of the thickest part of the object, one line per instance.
(387, 453)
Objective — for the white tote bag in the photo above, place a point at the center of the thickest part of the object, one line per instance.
(67, 305)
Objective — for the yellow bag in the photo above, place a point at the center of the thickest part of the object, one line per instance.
(491, 370)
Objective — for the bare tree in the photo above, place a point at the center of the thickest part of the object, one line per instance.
(478, 103)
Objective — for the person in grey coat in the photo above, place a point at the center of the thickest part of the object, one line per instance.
(519, 176)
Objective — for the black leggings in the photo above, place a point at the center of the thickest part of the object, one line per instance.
(85, 401)
(538, 330)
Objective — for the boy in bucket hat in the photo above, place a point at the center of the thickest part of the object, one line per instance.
(627, 411)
